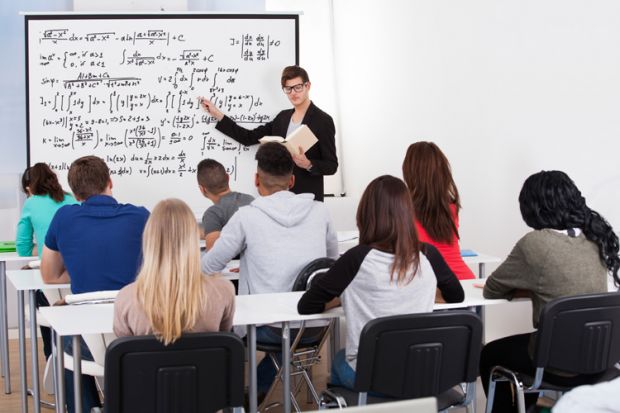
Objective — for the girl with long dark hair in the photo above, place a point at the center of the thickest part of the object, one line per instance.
(436, 202)
(390, 272)
(45, 197)
(570, 252)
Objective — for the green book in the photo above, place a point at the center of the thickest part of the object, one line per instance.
(7, 246)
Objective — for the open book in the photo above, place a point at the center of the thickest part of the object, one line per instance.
(302, 136)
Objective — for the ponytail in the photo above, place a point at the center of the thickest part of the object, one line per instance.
(598, 230)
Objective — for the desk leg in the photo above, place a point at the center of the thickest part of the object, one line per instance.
(60, 373)
(21, 321)
(77, 373)
(286, 366)
(251, 329)
(34, 352)
(334, 341)
(4, 331)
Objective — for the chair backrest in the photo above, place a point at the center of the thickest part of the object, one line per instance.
(201, 372)
(579, 334)
(418, 355)
(307, 273)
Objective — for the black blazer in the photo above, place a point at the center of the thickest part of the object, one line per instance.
(322, 154)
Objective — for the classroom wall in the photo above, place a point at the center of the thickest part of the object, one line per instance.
(505, 88)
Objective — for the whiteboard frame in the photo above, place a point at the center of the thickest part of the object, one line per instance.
(145, 16)
(293, 17)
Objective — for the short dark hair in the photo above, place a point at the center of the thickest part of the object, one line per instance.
(291, 72)
(212, 176)
(275, 165)
(88, 176)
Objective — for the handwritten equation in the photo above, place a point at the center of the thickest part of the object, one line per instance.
(128, 92)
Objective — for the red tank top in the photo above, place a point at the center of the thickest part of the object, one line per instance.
(451, 252)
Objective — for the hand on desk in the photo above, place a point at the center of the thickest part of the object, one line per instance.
(335, 302)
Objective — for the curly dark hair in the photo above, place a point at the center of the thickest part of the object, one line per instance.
(550, 199)
(274, 159)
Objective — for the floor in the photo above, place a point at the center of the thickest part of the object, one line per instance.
(11, 402)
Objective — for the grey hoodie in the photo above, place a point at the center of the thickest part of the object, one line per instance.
(276, 236)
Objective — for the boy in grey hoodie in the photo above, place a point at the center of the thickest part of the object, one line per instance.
(276, 235)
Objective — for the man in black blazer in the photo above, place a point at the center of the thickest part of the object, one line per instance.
(320, 159)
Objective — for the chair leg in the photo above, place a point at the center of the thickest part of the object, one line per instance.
(311, 389)
(491, 394)
(520, 397)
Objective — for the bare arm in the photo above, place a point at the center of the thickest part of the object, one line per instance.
(210, 239)
(53, 267)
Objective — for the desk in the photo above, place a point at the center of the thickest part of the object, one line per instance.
(4, 324)
(481, 260)
(250, 311)
(30, 281)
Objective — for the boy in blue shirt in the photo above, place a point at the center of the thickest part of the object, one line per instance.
(95, 246)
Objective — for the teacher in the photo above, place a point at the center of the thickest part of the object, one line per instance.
(320, 159)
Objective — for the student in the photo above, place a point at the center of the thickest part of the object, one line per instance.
(45, 196)
(436, 203)
(95, 246)
(276, 235)
(170, 295)
(320, 159)
(568, 253)
(213, 184)
(384, 275)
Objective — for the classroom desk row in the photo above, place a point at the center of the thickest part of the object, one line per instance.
(251, 310)
(28, 281)
(4, 325)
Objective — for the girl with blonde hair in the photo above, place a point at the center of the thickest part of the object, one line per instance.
(171, 295)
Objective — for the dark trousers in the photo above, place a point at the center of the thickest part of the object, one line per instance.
(90, 395)
(45, 331)
(512, 353)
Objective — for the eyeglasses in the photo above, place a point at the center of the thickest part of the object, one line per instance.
(297, 88)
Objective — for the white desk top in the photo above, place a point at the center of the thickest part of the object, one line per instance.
(24, 280)
(482, 259)
(12, 256)
(250, 309)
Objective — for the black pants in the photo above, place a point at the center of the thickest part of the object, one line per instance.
(45, 331)
(511, 353)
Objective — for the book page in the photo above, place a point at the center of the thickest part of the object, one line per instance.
(303, 137)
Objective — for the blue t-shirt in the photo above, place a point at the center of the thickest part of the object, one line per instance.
(100, 242)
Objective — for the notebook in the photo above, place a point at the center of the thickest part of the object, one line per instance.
(7, 246)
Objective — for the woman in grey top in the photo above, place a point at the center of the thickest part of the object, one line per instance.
(570, 252)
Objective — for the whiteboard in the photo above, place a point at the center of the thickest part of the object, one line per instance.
(125, 88)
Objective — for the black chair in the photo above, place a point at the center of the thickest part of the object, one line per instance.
(307, 343)
(201, 372)
(412, 356)
(579, 335)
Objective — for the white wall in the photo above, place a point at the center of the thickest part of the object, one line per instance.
(505, 88)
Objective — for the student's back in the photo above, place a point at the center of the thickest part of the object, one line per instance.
(389, 273)
(277, 234)
(171, 296)
(436, 202)
(281, 233)
(45, 197)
